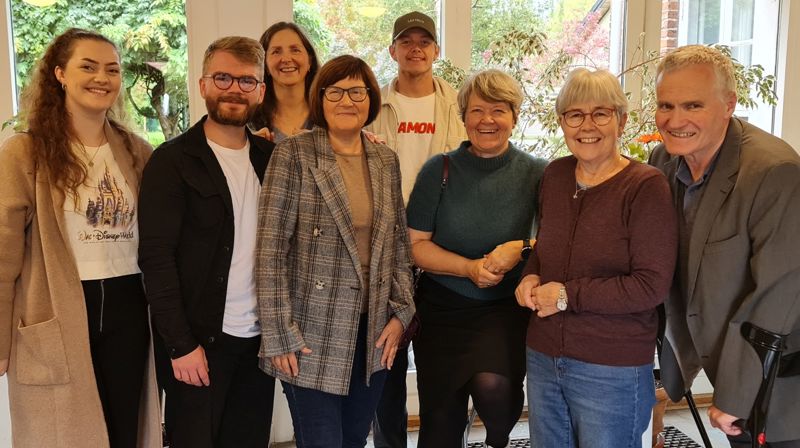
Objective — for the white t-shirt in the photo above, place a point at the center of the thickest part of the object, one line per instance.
(101, 218)
(241, 318)
(415, 128)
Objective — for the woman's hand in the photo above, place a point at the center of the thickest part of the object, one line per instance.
(373, 137)
(504, 257)
(526, 290)
(389, 340)
(265, 133)
(287, 363)
(481, 276)
(545, 298)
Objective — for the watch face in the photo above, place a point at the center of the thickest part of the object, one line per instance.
(561, 304)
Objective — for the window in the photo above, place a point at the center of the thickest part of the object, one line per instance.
(358, 27)
(538, 42)
(732, 23)
(151, 36)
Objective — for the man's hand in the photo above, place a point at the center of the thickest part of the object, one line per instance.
(723, 422)
(192, 368)
(525, 291)
(388, 340)
(3, 366)
(287, 363)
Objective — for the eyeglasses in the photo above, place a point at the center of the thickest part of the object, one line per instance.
(224, 81)
(356, 94)
(600, 116)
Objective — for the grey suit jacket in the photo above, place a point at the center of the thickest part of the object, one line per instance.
(742, 264)
(308, 274)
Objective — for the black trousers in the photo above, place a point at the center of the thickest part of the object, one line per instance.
(235, 410)
(390, 427)
(118, 338)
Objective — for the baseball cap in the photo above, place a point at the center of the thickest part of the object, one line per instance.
(414, 19)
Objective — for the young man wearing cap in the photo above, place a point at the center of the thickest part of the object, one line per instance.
(419, 114)
(419, 118)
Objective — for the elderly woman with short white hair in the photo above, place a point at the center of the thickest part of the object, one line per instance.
(469, 234)
(603, 261)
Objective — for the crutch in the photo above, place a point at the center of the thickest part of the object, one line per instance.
(768, 346)
(688, 395)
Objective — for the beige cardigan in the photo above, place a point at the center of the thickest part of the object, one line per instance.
(43, 326)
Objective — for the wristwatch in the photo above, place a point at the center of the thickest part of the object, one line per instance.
(561, 303)
(526, 248)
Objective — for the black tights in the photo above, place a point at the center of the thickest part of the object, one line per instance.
(497, 400)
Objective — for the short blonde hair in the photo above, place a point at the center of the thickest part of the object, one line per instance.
(586, 86)
(244, 49)
(494, 86)
(687, 55)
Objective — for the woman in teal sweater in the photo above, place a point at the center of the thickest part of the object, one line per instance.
(469, 236)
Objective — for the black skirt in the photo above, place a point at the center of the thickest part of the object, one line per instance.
(460, 337)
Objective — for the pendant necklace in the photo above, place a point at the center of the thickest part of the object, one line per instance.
(578, 189)
(583, 187)
(91, 159)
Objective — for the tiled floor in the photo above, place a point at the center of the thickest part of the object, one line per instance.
(681, 419)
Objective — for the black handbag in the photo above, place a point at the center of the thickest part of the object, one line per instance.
(413, 327)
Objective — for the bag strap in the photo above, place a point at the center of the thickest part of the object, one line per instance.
(445, 172)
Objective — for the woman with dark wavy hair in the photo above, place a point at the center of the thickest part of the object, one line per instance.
(290, 66)
(74, 334)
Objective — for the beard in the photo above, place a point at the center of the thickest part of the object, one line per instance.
(230, 118)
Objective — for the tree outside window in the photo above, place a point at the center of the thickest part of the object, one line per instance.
(151, 35)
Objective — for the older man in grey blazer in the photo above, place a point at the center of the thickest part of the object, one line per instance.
(737, 191)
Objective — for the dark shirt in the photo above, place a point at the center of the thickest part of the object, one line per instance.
(614, 247)
(692, 190)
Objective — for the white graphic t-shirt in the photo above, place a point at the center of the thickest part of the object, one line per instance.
(241, 318)
(101, 219)
(415, 128)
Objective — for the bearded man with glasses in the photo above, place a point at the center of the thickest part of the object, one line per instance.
(197, 221)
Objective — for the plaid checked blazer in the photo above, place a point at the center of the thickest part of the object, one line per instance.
(308, 275)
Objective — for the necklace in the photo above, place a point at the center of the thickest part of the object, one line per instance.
(91, 159)
(578, 189)
(583, 187)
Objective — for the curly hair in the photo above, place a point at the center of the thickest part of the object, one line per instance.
(265, 113)
(49, 126)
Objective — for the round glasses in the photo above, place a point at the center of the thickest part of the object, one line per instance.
(224, 81)
(356, 94)
(600, 116)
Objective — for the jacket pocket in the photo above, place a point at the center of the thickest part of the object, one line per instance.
(41, 359)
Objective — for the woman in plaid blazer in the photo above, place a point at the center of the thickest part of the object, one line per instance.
(333, 262)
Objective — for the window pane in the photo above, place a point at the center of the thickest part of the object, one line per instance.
(358, 27)
(743, 53)
(152, 42)
(538, 42)
(704, 20)
(742, 20)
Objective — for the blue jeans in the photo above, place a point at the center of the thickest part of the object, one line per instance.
(577, 404)
(323, 420)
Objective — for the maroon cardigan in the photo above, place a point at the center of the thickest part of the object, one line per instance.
(614, 247)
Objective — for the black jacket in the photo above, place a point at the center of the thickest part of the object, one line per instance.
(186, 232)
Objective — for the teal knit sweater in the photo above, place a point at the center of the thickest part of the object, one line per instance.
(487, 202)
